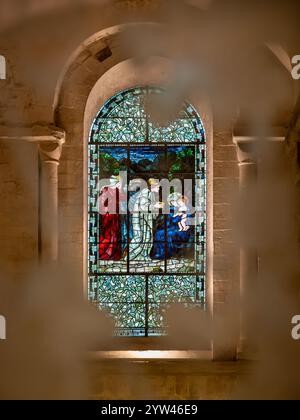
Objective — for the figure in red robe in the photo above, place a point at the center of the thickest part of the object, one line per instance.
(110, 241)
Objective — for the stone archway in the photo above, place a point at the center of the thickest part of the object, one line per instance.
(79, 85)
(88, 64)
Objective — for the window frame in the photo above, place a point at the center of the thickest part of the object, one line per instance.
(153, 341)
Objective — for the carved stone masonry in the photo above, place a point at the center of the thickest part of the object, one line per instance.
(50, 153)
(49, 140)
(248, 175)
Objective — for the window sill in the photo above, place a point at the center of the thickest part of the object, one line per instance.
(145, 355)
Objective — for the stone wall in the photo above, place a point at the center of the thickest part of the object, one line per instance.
(18, 207)
(166, 380)
(226, 286)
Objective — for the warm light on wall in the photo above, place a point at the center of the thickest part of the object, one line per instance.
(2, 68)
(153, 354)
(2, 328)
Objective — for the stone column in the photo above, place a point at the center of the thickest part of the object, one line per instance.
(50, 153)
(248, 259)
(249, 157)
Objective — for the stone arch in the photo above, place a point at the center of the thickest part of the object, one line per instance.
(281, 55)
(90, 63)
(86, 66)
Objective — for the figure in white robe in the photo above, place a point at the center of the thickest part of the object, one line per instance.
(145, 210)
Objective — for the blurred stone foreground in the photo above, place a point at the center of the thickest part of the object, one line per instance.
(50, 330)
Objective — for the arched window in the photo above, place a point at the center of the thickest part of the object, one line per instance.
(146, 246)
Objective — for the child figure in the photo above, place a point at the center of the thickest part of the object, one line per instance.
(182, 203)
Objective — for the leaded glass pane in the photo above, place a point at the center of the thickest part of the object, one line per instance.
(126, 315)
(174, 289)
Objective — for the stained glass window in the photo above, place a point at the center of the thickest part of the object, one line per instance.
(146, 244)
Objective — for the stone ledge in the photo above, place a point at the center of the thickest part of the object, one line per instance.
(155, 355)
(244, 134)
(35, 133)
(166, 379)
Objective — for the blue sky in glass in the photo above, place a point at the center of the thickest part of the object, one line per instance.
(118, 153)
(138, 153)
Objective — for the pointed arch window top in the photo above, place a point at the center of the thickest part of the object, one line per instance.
(123, 119)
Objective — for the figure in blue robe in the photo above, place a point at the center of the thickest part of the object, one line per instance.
(176, 244)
